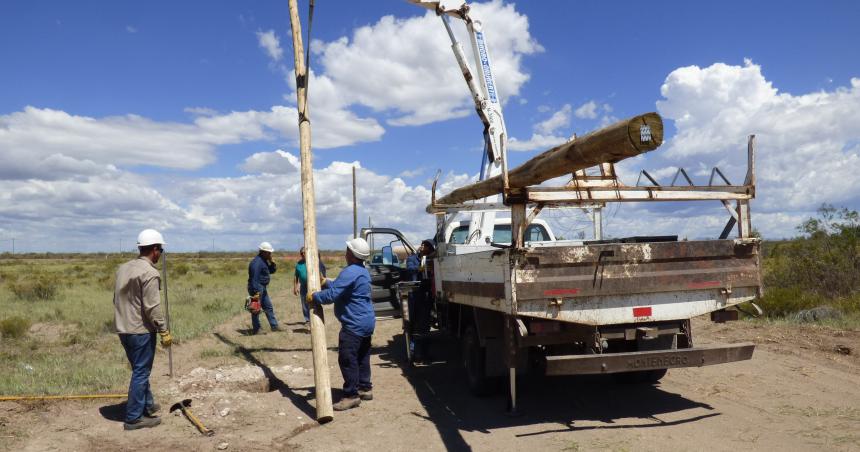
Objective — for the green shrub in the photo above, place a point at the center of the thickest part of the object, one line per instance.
(179, 269)
(35, 287)
(785, 301)
(825, 260)
(14, 327)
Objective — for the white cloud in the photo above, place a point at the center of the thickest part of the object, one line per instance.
(587, 110)
(420, 83)
(410, 173)
(558, 120)
(34, 141)
(130, 29)
(544, 136)
(271, 44)
(277, 162)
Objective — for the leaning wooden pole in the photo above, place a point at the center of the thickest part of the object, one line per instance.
(624, 139)
(318, 341)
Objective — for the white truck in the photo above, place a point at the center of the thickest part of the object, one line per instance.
(621, 306)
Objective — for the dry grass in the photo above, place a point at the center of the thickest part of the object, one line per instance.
(76, 349)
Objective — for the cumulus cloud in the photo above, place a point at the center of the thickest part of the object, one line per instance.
(420, 83)
(808, 143)
(544, 136)
(271, 44)
(35, 140)
(808, 151)
(587, 110)
(277, 162)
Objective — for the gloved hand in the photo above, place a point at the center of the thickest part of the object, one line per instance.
(309, 299)
(166, 339)
(323, 281)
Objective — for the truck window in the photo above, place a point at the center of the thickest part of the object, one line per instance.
(458, 235)
(501, 234)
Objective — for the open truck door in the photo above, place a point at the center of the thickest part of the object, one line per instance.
(387, 266)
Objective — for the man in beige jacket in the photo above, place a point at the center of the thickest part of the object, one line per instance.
(138, 317)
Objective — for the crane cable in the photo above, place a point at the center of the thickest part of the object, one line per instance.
(308, 60)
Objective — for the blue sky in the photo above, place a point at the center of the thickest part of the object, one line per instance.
(118, 116)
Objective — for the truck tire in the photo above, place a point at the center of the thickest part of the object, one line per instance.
(474, 363)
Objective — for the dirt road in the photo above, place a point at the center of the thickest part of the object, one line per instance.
(797, 393)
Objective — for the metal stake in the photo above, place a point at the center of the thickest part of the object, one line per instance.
(167, 313)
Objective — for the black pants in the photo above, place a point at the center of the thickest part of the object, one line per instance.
(353, 356)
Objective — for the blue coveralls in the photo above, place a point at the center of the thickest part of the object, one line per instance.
(258, 279)
(353, 307)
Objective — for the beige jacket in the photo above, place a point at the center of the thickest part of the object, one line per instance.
(136, 298)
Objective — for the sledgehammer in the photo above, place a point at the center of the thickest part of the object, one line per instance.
(185, 406)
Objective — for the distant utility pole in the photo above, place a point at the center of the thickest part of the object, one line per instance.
(354, 207)
(13, 245)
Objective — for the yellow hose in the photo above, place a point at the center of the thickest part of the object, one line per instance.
(62, 397)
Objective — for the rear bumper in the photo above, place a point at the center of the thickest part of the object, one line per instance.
(648, 360)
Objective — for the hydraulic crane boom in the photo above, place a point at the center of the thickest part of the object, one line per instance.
(487, 104)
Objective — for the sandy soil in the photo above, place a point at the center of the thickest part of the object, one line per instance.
(797, 393)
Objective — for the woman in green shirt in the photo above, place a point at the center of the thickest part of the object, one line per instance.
(300, 284)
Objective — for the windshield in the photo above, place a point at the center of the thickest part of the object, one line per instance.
(501, 234)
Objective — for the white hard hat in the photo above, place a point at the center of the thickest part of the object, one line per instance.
(359, 248)
(266, 246)
(149, 237)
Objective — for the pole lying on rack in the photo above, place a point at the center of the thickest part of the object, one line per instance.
(624, 139)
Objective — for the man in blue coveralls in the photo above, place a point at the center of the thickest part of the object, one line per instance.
(259, 271)
(353, 307)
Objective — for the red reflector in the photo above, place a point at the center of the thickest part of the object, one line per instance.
(642, 312)
(557, 292)
(703, 284)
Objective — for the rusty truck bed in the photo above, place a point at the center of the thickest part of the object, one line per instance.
(604, 284)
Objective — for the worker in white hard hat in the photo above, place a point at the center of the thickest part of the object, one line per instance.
(137, 319)
(353, 307)
(259, 275)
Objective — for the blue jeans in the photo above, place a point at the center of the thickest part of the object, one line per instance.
(303, 300)
(266, 303)
(353, 356)
(140, 351)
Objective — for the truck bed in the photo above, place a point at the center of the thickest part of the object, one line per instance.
(605, 284)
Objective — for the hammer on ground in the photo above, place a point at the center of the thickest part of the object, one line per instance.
(185, 406)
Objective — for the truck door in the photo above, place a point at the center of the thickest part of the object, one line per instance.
(387, 267)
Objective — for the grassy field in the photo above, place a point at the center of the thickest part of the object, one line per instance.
(56, 315)
(56, 311)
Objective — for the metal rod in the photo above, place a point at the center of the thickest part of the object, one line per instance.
(167, 313)
(63, 397)
(354, 207)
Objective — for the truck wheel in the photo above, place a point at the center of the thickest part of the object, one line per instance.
(474, 363)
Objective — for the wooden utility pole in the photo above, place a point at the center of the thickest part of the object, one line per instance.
(624, 139)
(354, 207)
(318, 340)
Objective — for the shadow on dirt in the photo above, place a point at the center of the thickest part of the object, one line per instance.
(572, 403)
(275, 383)
(115, 412)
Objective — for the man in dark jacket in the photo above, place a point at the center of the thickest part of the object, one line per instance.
(353, 307)
(420, 300)
(259, 271)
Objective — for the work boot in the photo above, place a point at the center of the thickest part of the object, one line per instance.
(276, 328)
(347, 403)
(365, 394)
(151, 410)
(142, 422)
